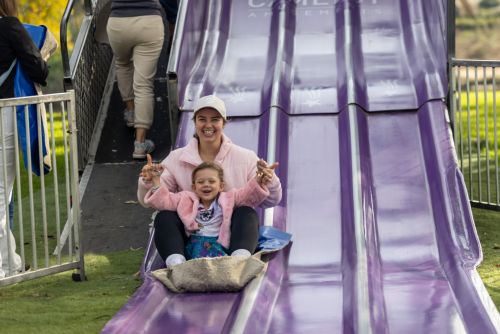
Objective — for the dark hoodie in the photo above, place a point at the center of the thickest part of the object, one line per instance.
(128, 8)
(16, 43)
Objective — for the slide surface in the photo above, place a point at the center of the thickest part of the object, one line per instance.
(348, 97)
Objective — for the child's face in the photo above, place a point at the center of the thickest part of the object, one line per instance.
(207, 185)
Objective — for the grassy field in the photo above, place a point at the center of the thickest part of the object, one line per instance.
(488, 229)
(56, 304)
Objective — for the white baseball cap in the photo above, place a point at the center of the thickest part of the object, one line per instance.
(211, 101)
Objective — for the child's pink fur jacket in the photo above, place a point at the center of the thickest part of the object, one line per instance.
(186, 204)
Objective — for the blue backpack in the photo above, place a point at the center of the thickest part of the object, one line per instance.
(24, 86)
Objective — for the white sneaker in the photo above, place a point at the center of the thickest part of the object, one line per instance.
(129, 117)
(241, 252)
(174, 259)
(141, 149)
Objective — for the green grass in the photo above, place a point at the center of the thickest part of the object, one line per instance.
(56, 304)
(481, 116)
(487, 224)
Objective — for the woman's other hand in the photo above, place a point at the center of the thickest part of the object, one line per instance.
(265, 172)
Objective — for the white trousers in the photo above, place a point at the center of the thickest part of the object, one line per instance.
(10, 261)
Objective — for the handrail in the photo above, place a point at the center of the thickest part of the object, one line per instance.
(475, 62)
(64, 34)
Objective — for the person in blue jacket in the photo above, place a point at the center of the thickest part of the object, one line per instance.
(16, 45)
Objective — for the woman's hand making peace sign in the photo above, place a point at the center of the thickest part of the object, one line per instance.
(151, 172)
(265, 172)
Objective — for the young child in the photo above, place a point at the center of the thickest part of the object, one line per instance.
(206, 211)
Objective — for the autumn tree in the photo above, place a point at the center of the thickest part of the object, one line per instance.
(49, 13)
(38, 12)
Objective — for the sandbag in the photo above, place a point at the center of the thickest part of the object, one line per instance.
(222, 274)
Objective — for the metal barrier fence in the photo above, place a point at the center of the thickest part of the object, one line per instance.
(41, 132)
(474, 106)
(86, 71)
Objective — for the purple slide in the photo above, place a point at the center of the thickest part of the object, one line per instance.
(348, 97)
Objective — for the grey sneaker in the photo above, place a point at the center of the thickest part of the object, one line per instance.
(128, 117)
(141, 149)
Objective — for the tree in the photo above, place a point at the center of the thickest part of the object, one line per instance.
(38, 12)
(49, 14)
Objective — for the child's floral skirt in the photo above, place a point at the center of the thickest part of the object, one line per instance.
(200, 246)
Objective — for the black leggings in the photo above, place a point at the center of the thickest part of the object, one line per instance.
(170, 237)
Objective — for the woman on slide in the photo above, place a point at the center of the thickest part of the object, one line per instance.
(241, 165)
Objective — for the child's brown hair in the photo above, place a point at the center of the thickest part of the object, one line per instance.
(208, 165)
